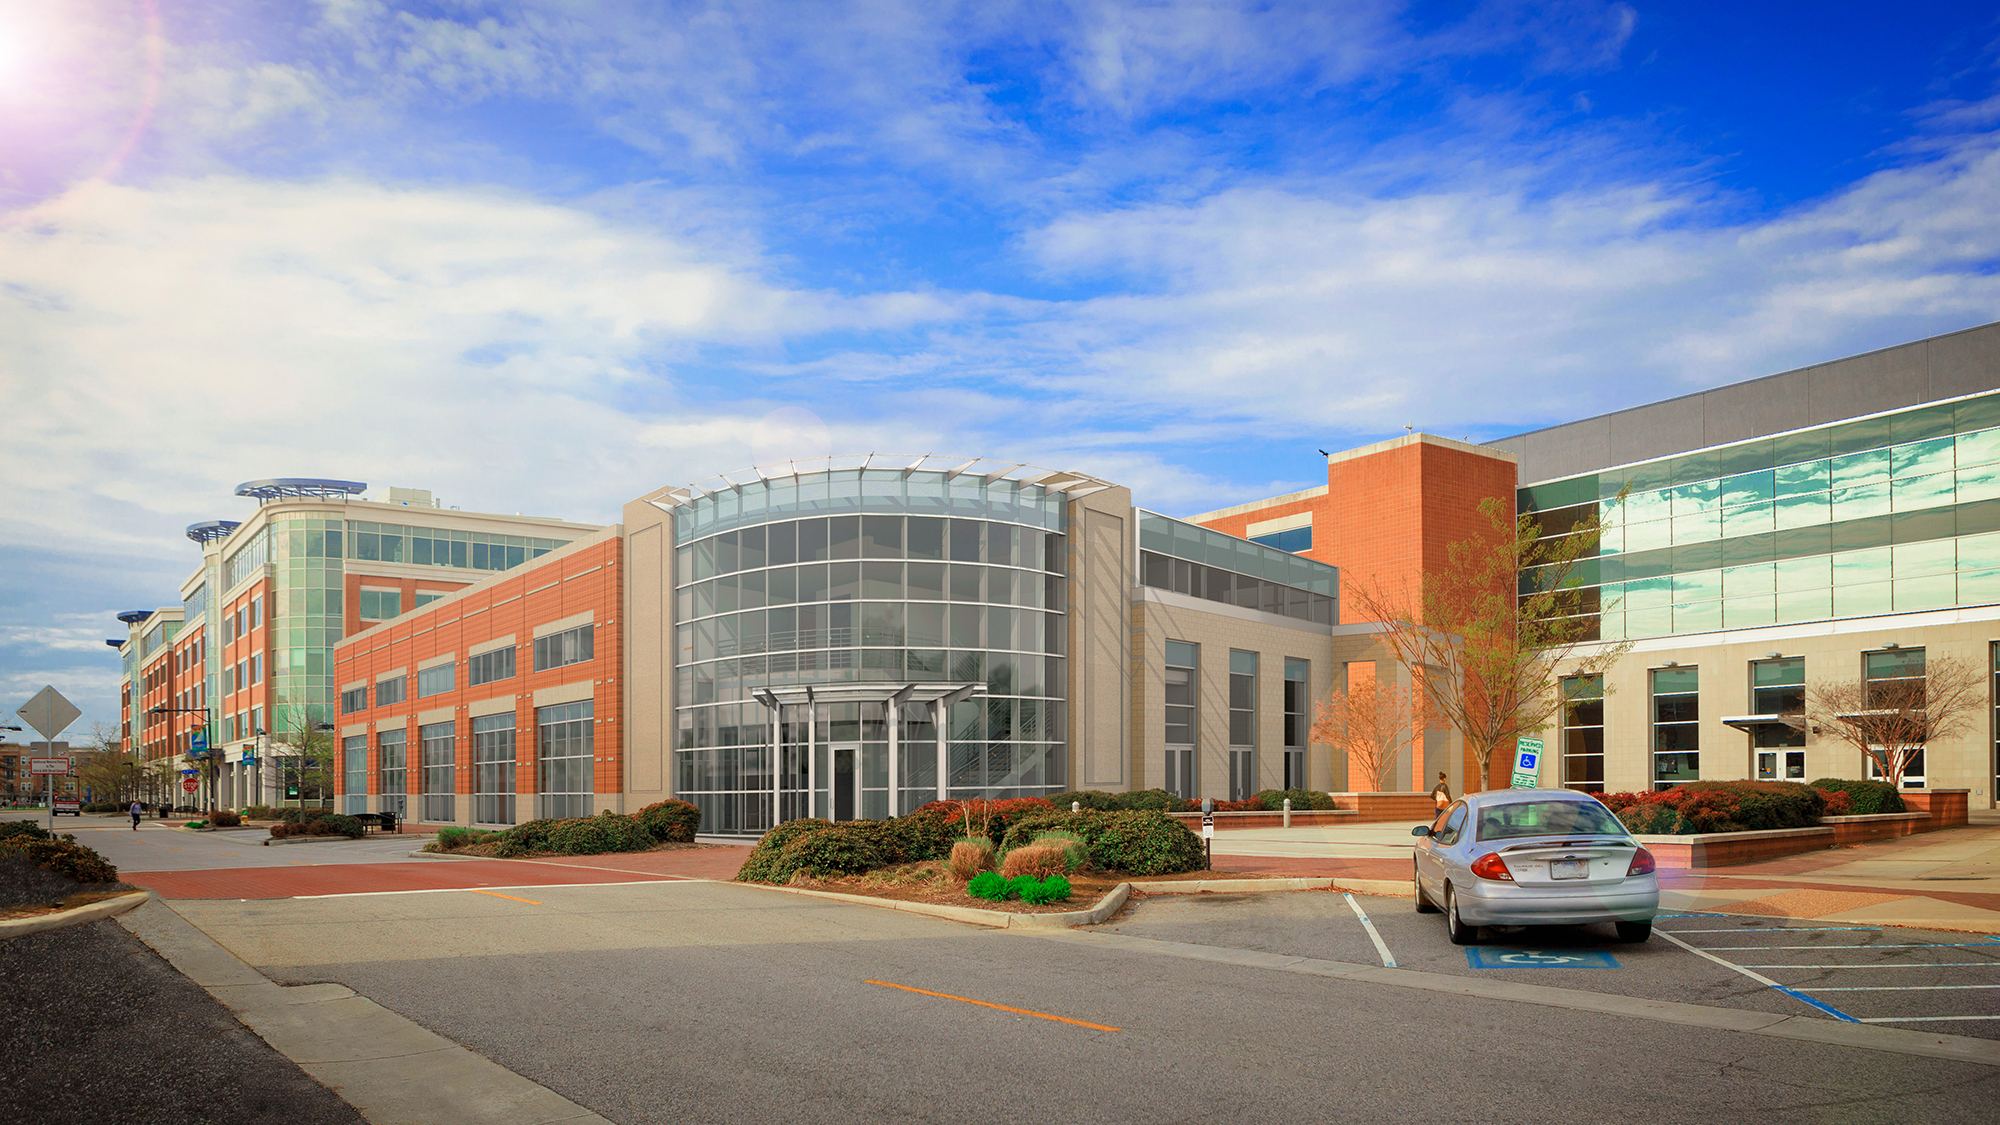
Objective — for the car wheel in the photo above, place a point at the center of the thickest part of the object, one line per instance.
(1634, 931)
(1424, 905)
(1455, 927)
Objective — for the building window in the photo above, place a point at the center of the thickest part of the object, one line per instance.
(1164, 572)
(392, 773)
(1298, 725)
(435, 680)
(256, 611)
(1242, 725)
(355, 700)
(257, 721)
(392, 690)
(354, 774)
(563, 737)
(257, 668)
(493, 768)
(381, 605)
(490, 666)
(1583, 733)
(1183, 693)
(1676, 726)
(440, 749)
(1295, 540)
(571, 646)
(424, 599)
(1895, 678)
(1778, 687)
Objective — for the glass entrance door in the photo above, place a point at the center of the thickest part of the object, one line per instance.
(846, 782)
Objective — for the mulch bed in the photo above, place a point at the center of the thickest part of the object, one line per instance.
(931, 882)
(27, 890)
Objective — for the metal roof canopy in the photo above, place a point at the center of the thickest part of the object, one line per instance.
(134, 616)
(294, 488)
(209, 531)
(1750, 723)
(877, 692)
(1069, 483)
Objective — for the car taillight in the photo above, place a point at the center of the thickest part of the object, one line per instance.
(1642, 863)
(1491, 866)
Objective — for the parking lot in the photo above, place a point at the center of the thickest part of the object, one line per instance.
(1934, 980)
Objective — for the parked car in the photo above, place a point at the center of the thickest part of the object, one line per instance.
(67, 806)
(1531, 857)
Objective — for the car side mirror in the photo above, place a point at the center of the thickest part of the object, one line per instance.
(1421, 830)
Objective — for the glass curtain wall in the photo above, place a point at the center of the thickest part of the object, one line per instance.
(868, 576)
(1879, 515)
(354, 774)
(493, 768)
(1298, 720)
(563, 743)
(1676, 726)
(440, 750)
(392, 782)
(307, 618)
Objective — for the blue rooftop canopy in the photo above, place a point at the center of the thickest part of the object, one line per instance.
(292, 488)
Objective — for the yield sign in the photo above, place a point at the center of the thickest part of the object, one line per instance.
(48, 712)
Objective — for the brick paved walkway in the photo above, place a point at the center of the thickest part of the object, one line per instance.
(439, 874)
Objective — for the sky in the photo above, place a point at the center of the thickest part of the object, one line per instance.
(546, 256)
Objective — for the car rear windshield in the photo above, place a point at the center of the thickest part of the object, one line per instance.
(1547, 818)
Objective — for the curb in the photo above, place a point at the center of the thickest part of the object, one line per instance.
(1227, 886)
(96, 911)
(1110, 904)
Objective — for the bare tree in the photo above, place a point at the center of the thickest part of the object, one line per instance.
(1489, 636)
(1891, 721)
(1371, 722)
(310, 746)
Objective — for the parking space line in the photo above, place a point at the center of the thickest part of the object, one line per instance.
(1899, 988)
(1801, 997)
(1388, 960)
(1000, 1007)
(1925, 1019)
(1899, 965)
(1770, 929)
(1918, 945)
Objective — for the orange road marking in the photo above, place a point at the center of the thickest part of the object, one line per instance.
(497, 894)
(1001, 1007)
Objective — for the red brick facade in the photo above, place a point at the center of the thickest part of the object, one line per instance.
(584, 578)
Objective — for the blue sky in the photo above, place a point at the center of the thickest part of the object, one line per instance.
(543, 257)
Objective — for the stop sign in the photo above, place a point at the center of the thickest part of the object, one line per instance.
(189, 784)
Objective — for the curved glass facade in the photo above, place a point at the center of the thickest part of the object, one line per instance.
(858, 585)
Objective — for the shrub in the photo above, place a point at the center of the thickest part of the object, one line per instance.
(303, 816)
(988, 885)
(1055, 888)
(1867, 797)
(455, 837)
(1158, 799)
(197, 824)
(1076, 850)
(1654, 820)
(103, 806)
(1250, 804)
(1019, 883)
(1274, 799)
(1037, 860)
(670, 822)
(22, 829)
(971, 856)
(261, 812)
(63, 856)
(340, 825)
(1838, 801)
(1721, 806)
(223, 818)
(762, 864)
(595, 835)
(986, 818)
(828, 853)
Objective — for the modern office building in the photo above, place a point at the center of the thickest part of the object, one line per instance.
(854, 636)
(241, 667)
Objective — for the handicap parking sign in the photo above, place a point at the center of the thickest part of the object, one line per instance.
(1503, 957)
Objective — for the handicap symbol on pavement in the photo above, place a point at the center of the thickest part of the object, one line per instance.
(1503, 957)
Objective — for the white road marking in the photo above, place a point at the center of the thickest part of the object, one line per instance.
(1829, 948)
(1899, 988)
(510, 887)
(1760, 978)
(1388, 960)
(1900, 965)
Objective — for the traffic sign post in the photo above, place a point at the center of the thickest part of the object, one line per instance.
(1208, 833)
(50, 714)
(1527, 763)
(190, 784)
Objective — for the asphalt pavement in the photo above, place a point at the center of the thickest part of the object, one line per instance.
(717, 1002)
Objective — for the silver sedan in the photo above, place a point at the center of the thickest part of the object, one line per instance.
(1530, 857)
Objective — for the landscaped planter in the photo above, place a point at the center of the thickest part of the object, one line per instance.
(1722, 849)
(1385, 808)
(1946, 807)
(1301, 818)
(1877, 826)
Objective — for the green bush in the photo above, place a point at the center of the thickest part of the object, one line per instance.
(22, 829)
(762, 864)
(197, 824)
(104, 806)
(1073, 845)
(829, 853)
(303, 816)
(456, 837)
(261, 812)
(596, 835)
(988, 885)
(338, 824)
(1868, 797)
(1055, 888)
(1090, 799)
(1655, 820)
(1139, 841)
(223, 818)
(1302, 799)
(670, 822)
(1156, 799)
(1020, 883)
(63, 856)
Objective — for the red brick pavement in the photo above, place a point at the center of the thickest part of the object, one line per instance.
(439, 874)
(1330, 868)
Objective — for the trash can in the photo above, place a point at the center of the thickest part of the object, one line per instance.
(389, 822)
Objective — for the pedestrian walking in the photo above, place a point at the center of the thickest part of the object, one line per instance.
(137, 811)
(1441, 792)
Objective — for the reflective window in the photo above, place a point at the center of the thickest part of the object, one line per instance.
(440, 761)
(571, 646)
(563, 741)
(1182, 704)
(1676, 726)
(389, 691)
(493, 768)
(435, 680)
(1583, 733)
(392, 771)
(490, 666)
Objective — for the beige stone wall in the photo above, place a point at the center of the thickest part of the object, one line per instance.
(649, 664)
(1101, 566)
(1831, 652)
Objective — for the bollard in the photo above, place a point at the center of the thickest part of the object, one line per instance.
(1076, 806)
(1288, 812)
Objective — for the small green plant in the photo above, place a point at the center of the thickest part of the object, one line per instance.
(988, 885)
(197, 824)
(1055, 888)
(1019, 883)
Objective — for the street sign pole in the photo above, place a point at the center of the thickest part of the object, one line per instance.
(1527, 763)
(49, 713)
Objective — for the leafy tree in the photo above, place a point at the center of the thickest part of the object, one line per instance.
(1489, 636)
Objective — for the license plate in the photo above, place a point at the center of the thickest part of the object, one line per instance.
(1569, 869)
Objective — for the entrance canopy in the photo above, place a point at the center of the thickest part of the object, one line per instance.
(928, 692)
(939, 696)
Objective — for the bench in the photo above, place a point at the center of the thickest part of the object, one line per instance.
(379, 821)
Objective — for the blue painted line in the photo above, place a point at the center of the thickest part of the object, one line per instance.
(1829, 1009)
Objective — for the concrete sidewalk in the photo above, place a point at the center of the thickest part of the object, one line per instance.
(1946, 880)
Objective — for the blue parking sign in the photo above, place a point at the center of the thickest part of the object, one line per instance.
(1504, 957)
